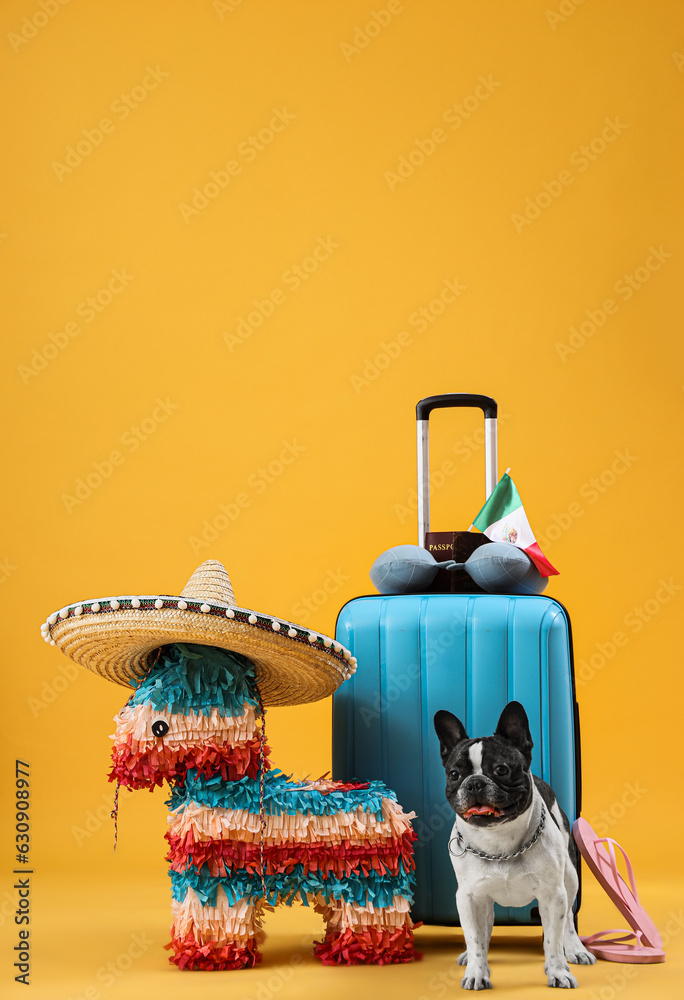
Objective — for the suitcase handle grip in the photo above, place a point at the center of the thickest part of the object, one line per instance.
(425, 406)
(423, 409)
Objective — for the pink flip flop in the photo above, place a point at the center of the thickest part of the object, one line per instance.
(618, 949)
(603, 863)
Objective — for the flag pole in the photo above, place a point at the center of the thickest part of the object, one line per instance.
(505, 474)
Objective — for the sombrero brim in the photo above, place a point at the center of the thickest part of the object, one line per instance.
(116, 637)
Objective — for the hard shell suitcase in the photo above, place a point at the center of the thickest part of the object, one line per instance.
(470, 654)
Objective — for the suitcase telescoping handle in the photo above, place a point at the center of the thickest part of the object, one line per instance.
(423, 410)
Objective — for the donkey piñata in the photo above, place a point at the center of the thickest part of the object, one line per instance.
(243, 837)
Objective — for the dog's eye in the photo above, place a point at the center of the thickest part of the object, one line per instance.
(160, 727)
(453, 774)
(500, 769)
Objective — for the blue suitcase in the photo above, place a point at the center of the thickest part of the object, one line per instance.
(470, 654)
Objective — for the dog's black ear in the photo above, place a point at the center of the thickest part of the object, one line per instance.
(514, 726)
(450, 731)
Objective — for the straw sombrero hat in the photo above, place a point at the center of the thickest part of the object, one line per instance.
(116, 637)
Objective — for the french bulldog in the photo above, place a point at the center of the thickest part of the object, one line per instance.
(510, 844)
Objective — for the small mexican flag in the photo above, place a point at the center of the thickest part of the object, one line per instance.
(503, 519)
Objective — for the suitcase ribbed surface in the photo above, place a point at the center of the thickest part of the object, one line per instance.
(470, 654)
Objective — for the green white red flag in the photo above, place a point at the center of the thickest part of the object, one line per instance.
(503, 519)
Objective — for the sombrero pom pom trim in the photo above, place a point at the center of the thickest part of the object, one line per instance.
(108, 604)
(116, 636)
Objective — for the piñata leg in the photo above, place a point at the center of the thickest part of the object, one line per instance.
(365, 935)
(216, 937)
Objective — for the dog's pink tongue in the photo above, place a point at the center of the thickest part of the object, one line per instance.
(481, 811)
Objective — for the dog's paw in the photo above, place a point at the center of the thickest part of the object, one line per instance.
(477, 982)
(463, 958)
(580, 956)
(562, 980)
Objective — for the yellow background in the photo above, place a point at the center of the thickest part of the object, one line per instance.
(358, 100)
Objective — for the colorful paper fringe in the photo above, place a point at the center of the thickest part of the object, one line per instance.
(281, 795)
(199, 678)
(145, 768)
(221, 856)
(356, 887)
(189, 954)
(345, 848)
(368, 947)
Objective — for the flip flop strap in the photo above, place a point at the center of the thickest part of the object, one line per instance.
(600, 938)
(611, 845)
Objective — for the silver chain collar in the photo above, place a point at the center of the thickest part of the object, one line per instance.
(499, 857)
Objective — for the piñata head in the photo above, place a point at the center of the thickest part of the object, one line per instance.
(196, 708)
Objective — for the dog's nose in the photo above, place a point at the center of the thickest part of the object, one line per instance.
(476, 784)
